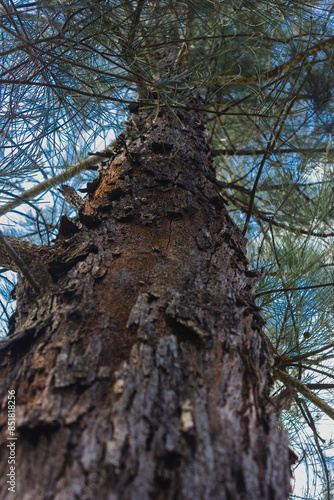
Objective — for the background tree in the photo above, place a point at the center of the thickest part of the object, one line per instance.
(258, 76)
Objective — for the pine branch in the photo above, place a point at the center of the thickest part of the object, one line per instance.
(254, 152)
(320, 387)
(257, 179)
(303, 389)
(311, 368)
(310, 421)
(10, 259)
(293, 359)
(70, 172)
(72, 90)
(293, 288)
(279, 70)
(257, 214)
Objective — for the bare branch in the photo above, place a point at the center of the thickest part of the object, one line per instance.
(55, 181)
(14, 261)
(305, 391)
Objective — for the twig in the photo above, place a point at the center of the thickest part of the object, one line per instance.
(288, 289)
(300, 357)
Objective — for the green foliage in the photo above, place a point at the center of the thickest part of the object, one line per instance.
(263, 74)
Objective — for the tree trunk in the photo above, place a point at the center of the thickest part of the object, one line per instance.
(141, 371)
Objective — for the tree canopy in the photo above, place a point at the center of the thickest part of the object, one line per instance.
(262, 72)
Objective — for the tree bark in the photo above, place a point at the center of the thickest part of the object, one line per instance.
(141, 371)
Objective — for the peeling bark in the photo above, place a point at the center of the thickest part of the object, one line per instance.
(142, 372)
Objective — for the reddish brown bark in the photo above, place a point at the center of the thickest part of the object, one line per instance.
(142, 372)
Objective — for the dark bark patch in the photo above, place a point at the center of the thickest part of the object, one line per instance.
(116, 193)
(185, 333)
(36, 432)
(90, 221)
(67, 227)
(56, 268)
(161, 147)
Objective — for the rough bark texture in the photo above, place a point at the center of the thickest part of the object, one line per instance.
(141, 372)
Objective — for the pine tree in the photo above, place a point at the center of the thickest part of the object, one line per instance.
(144, 363)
